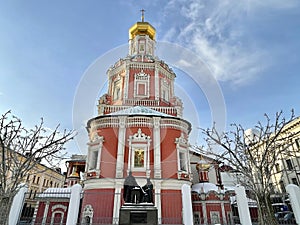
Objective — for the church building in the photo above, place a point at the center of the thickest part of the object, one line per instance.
(138, 157)
(139, 130)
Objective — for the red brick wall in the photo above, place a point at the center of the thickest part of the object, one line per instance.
(51, 210)
(169, 161)
(171, 206)
(109, 152)
(102, 201)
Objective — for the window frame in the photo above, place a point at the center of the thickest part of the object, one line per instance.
(141, 78)
(138, 146)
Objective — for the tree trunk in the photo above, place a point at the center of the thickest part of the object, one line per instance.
(5, 205)
(265, 210)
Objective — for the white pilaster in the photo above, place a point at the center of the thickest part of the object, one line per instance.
(148, 171)
(101, 139)
(126, 82)
(156, 82)
(117, 202)
(129, 156)
(17, 204)
(203, 204)
(156, 146)
(87, 160)
(109, 81)
(242, 203)
(74, 205)
(204, 212)
(223, 212)
(121, 147)
(187, 205)
(157, 188)
(45, 212)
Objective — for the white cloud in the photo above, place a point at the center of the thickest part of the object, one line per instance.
(184, 63)
(217, 32)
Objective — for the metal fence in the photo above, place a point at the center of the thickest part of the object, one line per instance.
(282, 209)
(33, 203)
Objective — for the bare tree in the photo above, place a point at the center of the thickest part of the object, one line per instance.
(21, 150)
(254, 155)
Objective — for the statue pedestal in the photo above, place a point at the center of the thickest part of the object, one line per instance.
(138, 214)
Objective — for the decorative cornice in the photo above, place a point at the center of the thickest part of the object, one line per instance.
(139, 136)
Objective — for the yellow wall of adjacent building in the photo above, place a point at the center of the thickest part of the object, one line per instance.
(38, 182)
(287, 169)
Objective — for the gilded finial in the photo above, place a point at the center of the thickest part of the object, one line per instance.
(143, 14)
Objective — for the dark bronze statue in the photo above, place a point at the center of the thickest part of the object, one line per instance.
(133, 193)
(148, 191)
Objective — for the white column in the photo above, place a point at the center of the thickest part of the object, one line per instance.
(204, 212)
(74, 205)
(156, 146)
(242, 203)
(148, 171)
(187, 205)
(17, 205)
(172, 87)
(121, 146)
(45, 212)
(157, 188)
(100, 139)
(35, 212)
(188, 161)
(156, 83)
(126, 81)
(109, 81)
(117, 202)
(129, 156)
(223, 212)
(86, 169)
(294, 196)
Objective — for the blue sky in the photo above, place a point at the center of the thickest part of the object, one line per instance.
(252, 49)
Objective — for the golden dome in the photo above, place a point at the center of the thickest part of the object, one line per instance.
(203, 165)
(142, 28)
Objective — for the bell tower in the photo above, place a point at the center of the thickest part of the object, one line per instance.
(142, 39)
(141, 78)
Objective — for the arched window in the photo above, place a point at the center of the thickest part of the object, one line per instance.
(165, 90)
(139, 144)
(117, 88)
(182, 155)
(88, 213)
(141, 85)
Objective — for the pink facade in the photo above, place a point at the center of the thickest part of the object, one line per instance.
(212, 208)
(52, 211)
(139, 129)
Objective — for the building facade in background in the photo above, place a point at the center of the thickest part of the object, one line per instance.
(287, 168)
(38, 179)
